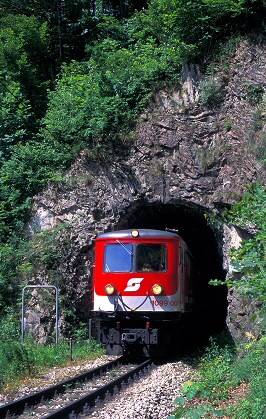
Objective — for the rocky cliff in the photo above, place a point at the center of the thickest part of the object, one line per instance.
(192, 153)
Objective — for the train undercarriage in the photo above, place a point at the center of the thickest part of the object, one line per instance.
(152, 335)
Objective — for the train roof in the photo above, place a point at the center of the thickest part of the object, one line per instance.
(142, 232)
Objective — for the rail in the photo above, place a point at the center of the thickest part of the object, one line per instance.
(16, 408)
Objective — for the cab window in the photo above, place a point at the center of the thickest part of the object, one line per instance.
(151, 257)
(118, 257)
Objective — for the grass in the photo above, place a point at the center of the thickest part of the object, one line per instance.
(230, 382)
(18, 361)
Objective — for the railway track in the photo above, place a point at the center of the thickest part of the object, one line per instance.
(75, 395)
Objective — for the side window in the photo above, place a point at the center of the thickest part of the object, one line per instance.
(181, 256)
(188, 263)
(151, 257)
(118, 257)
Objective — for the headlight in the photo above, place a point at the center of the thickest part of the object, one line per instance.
(109, 289)
(157, 289)
(134, 233)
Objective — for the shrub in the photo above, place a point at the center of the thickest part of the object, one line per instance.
(15, 361)
(249, 259)
(220, 371)
(253, 93)
(21, 360)
(250, 367)
(9, 327)
(210, 91)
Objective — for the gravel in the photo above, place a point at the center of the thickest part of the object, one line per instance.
(50, 377)
(149, 397)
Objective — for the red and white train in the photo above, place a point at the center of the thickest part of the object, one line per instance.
(142, 289)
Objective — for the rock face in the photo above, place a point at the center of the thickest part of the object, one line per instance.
(192, 152)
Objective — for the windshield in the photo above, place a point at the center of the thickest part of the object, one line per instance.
(118, 257)
(126, 257)
(151, 257)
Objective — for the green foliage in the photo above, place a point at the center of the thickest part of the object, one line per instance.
(214, 368)
(23, 54)
(254, 93)
(10, 258)
(69, 25)
(204, 411)
(25, 173)
(114, 60)
(9, 327)
(220, 370)
(256, 136)
(27, 160)
(191, 22)
(249, 367)
(210, 91)
(77, 112)
(45, 252)
(252, 406)
(15, 361)
(80, 333)
(97, 99)
(250, 258)
(227, 125)
(19, 258)
(23, 82)
(211, 382)
(18, 361)
(15, 118)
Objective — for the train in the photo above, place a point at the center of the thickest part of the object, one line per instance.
(142, 290)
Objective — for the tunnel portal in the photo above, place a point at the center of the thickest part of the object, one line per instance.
(211, 301)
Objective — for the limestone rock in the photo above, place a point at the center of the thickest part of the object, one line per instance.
(186, 159)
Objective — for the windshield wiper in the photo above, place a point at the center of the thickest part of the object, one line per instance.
(124, 246)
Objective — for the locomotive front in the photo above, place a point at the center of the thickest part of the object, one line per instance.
(141, 285)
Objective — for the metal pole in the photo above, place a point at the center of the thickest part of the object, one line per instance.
(90, 332)
(56, 309)
(56, 315)
(70, 347)
(22, 319)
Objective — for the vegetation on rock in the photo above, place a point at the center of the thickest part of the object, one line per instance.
(76, 75)
(249, 260)
(229, 383)
(225, 369)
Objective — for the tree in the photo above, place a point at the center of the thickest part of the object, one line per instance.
(192, 22)
(24, 61)
(16, 117)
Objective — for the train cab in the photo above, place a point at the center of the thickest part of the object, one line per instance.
(141, 285)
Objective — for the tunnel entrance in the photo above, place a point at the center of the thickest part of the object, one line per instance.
(211, 301)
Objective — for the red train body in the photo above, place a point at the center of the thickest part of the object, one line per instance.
(142, 282)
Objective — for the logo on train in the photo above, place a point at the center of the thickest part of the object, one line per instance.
(133, 284)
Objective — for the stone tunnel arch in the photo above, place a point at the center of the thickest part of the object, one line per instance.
(204, 244)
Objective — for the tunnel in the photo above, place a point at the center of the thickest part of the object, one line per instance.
(192, 226)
